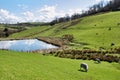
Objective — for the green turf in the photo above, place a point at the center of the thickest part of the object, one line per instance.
(31, 66)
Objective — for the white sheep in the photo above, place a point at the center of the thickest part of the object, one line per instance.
(98, 60)
(84, 66)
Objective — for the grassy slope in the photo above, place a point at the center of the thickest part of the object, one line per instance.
(85, 31)
(25, 66)
(29, 32)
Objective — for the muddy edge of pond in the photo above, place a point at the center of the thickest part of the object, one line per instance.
(54, 41)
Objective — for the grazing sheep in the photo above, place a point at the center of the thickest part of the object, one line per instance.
(98, 60)
(84, 66)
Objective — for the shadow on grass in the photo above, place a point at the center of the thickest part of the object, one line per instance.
(97, 62)
(81, 70)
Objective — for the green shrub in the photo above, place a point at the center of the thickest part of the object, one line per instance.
(68, 37)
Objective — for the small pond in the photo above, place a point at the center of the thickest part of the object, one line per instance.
(25, 45)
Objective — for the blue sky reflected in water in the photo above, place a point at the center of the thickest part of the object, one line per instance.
(25, 45)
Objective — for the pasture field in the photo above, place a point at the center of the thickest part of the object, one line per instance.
(92, 32)
(30, 32)
(33, 66)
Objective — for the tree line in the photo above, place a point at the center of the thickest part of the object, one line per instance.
(113, 5)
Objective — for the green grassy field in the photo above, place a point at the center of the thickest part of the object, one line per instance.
(95, 31)
(30, 32)
(31, 66)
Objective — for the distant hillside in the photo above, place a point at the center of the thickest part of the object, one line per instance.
(95, 32)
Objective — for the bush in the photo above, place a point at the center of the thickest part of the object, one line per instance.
(84, 57)
(5, 30)
(68, 37)
(87, 55)
(78, 56)
(6, 34)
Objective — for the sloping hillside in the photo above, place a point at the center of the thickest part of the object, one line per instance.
(94, 32)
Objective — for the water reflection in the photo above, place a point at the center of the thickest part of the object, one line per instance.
(25, 45)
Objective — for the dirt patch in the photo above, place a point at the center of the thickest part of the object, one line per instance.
(55, 41)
